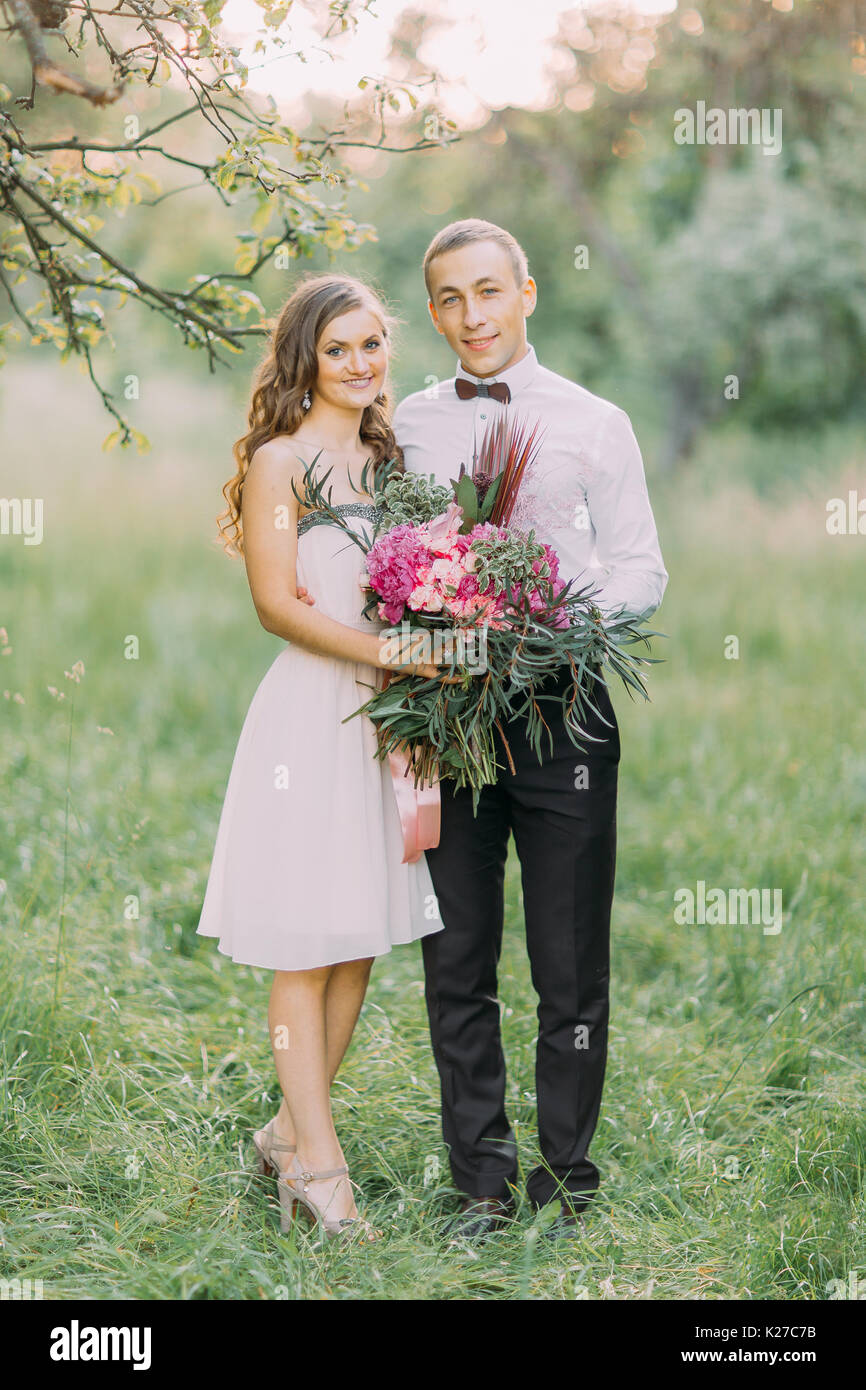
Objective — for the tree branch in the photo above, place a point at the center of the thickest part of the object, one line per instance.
(209, 326)
(48, 73)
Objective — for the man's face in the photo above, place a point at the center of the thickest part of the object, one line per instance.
(476, 303)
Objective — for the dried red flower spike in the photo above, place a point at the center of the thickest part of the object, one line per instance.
(509, 447)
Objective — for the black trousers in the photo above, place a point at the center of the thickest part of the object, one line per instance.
(563, 817)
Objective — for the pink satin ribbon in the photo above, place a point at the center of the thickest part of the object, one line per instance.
(419, 809)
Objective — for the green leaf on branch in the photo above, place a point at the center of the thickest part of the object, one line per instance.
(467, 500)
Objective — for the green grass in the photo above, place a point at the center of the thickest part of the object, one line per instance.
(731, 1140)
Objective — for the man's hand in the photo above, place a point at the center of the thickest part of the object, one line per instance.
(305, 596)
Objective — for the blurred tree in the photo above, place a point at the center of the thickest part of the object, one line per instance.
(65, 177)
(763, 299)
(708, 293)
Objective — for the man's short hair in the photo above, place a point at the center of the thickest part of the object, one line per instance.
(458, 234)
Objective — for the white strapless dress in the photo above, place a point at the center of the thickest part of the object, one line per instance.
(307, 868)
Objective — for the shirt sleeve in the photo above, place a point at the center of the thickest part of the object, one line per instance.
(626, 540)
(398, 424)
(403, 425)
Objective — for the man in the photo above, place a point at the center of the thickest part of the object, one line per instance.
(586, 497)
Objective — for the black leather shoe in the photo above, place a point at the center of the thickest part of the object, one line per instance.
(569, 1224)
(479, 1216)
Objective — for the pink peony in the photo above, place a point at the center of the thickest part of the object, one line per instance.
(486, 528)
(467, 587)
(394, 564)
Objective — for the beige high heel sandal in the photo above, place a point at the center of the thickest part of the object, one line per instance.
(291, 1198)
(265, 1142)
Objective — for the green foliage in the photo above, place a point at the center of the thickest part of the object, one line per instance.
(703, 261)
(65, 185)
(508, 560)
(766, 283)
(411, 499)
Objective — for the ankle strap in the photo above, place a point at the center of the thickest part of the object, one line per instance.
(324, 1173)
(275, 1142)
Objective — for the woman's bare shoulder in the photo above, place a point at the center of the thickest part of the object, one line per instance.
(278, 459)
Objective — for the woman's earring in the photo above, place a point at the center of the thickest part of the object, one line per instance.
(381, 397)
(306, 402)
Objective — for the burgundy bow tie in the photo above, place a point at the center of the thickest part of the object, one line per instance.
(466, 390)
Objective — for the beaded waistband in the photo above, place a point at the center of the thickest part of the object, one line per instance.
(368, 510)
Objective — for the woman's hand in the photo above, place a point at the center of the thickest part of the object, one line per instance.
(428, 670)
(411, 662)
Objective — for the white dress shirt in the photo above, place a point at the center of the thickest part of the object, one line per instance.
(586, 495)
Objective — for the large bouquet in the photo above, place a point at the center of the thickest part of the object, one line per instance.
(461, 587)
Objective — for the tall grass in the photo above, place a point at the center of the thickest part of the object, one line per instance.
(731, 1139)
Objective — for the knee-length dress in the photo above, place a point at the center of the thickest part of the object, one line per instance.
(307, 867)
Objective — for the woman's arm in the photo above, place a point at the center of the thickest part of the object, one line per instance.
(270, 553)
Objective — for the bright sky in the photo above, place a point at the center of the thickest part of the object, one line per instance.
(492, 53)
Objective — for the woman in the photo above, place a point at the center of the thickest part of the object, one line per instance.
(307, 877)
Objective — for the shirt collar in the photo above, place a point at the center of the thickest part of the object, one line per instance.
(516, 378)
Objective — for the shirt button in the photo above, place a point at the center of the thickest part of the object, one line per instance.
(484, 417)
